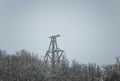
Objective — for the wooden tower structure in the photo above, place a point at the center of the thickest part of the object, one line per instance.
(52, 58)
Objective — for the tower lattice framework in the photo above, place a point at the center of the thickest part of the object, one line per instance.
(53, 57)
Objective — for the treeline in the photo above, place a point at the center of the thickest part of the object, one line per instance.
(26, 66)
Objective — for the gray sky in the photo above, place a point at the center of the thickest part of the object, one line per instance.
(89, 29)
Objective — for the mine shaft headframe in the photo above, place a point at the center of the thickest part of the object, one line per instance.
(53, 54)
(53, 58)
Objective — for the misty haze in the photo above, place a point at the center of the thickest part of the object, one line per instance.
(59, 40)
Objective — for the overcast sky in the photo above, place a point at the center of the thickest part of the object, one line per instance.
(89, 29)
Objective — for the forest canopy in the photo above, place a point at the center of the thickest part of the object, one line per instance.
(26, 66)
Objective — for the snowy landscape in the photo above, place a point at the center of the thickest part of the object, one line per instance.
(59, 40)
